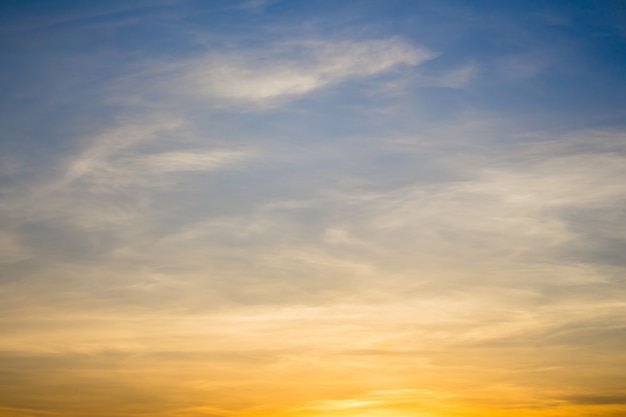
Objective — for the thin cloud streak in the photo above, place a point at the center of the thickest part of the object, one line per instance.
(273, 73)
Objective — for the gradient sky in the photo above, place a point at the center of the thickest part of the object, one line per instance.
(307, 208)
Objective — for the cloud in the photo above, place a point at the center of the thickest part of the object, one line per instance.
(131, 154)
(111, 185)
(188, 161)
(455, 78)
(86, 13)
(95, 158)
(598, 399)
(379, 403)
(257, 4)
(296, 68)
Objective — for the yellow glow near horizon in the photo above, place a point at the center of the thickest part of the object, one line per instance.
(350, 361)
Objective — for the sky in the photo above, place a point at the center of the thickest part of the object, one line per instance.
(312, 208)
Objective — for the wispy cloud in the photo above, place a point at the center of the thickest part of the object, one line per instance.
(295, 68)
(114, 177)
(188, 161)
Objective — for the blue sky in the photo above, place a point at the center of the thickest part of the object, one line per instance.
(397, 194)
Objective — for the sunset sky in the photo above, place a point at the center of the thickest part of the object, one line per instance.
(312, 208)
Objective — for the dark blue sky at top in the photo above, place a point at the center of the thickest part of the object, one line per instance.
(58, 56)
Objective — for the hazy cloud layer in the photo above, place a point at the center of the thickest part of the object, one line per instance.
(238, 218)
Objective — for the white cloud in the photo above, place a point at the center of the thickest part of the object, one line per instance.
(116, 159)
(257, 4)
(200, 160)
(298, 68)
(95, 159)
(112, 180)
